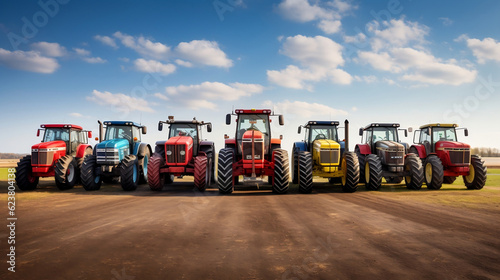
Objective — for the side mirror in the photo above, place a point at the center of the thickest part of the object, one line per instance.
(209, 127)
(361, 132)
(89, 134)
(144, 130)
(300, 129)
(281, 137)
(466, 132)
(160, 126)
(281, 120)
(228, 119)
(410, 129)
(415, 134)
(406, 133)
(38, 133)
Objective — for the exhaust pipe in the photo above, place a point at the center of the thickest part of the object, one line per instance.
(101, 131)
(346, 127)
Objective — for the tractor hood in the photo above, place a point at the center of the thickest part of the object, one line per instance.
(249, 134)
(391, 153)
(325, 144)
(50, 146)
(180, 140)
(113, 144)
(451, 144)
(390, 145)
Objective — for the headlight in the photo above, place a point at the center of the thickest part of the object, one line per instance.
(169, 153)
(182, 153)
(100, 150)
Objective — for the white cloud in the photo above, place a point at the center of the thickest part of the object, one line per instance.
(319, 57)
(446, 21)
(203, 52)
(81, 52)
(49, 49)
(330, 26)
(207, 94)
(360, 38)
(397, 33)
(28, 61)
(106, 40)
(161, 96)
(306, 110)
(143, 46)
(184, 63)
(76, 115)
(85, 56)
(483, 50)
(119, 101)
(153, 66)
(367, 79)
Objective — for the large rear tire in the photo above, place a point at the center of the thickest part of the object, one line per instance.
(154, 176)
(305, 163)
(66, 172)
(413, 164)
(477, 174)
(130, 173)
(201, 173)
(361, 160)
(79, 161)
(24, 175)
(433, 171)
(225, 171)
(373, 172)
(90, 181)
(449, 179)
(281, 180)
(295, 166)
(350, 166)
(144, 157)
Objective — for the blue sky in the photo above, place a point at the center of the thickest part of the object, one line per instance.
(411, 62)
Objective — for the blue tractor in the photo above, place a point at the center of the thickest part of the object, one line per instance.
(120, 154)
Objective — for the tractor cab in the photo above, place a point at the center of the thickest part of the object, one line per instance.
(382, 134)
(321, 139)
(185, 132)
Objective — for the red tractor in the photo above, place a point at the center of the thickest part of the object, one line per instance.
(445, 159)
(184, 153)
(253, 153)
(60, 155)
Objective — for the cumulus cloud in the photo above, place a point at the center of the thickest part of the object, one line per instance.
(85, 56)
(81, 52)
(184, 63)
(391, 52)
(153, 66)
(28, 61)
(106, 40)
(49, 49)
(207, 94)
(161, 96)
(119, 101)
(327, 13)
(306, 110)
(143, 46)
(319, 58)
(483, 50)
(203, 52)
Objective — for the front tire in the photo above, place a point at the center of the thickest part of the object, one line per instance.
(373, 172)
(433, 172)
(225, 171)
(477, 174)
(201, 173)
(295, 166)
(350, 165)
(129, 173)
(281, 180)
(90, 180)
(24, 175)
(65, 172)
(361, 160)
(305, 172)
(413, 164)
(154, 176)
(145, 156)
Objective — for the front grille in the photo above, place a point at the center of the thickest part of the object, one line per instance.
(258, 149)
(34, 158)
(330, 156)
(395, 157)
(176, 153)
(42, 158)
(108, 156)
(459, 156)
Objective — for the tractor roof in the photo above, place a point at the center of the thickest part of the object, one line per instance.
(332, 123)
(253, 111)
(122, 123)
(381, 125)
(61, 126)
(439, 125)
(186, 122)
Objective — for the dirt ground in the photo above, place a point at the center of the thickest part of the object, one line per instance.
(180, 233)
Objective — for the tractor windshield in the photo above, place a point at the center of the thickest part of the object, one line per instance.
(183, 129)
(443, 134)
(384, 133)
(119, 131)
(324, 132)
(56, 134)
(259, 122)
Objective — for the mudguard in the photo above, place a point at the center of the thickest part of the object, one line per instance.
(140, 148)
(420, 149)
(275, 141)
(301, 146)
(80, 151)
(364, 149)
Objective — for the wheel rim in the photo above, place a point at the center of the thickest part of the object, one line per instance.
(344, 176)
(145, 167)
(428, 172)
(367, 172)
(134, 177)
(70, 174)
(472, 173)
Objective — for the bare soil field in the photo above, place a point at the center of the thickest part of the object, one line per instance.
(180, 233)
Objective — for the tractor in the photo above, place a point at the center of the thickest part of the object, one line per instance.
(322, 154)
(445, 159)
(184, 153)
(60, 155)
(120, 154)
(383, 155)
(253, 152)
